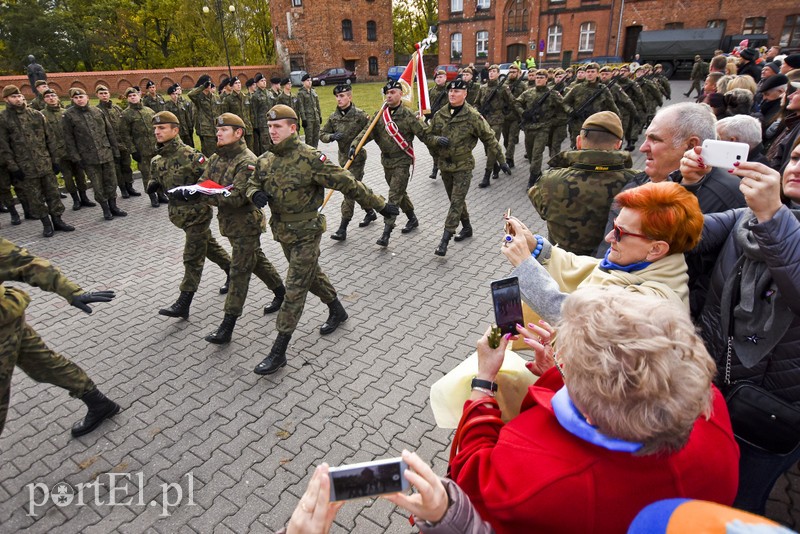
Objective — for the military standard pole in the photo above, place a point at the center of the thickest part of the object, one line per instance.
(224, 39)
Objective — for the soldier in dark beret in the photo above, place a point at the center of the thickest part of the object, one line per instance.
(204, 114)
(151, 98)
(309, 111)
(181, 109)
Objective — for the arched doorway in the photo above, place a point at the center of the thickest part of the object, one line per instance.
(515, 50)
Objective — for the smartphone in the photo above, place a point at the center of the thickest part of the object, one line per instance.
(367, 479)
(723, 153)
(507, 304)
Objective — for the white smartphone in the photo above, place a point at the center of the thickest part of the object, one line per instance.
(368, 479)
(723, 154)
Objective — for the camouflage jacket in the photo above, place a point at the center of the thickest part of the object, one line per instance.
(239, 105)
(308, 109)
(495, 102)
(53, 115)
(176, 164)
(624, 103)
(391, 154)
(653, 97)
(350, 123)
(27, 142)
(574, 196)
(233, 165)
(38, 102)
(156, 103)
(473, 89)
(114, 115)
(463, 129)
(137, 131)
(89, 136)
(287, 100)
(205, 112)
(438, 99)
(19, 265)
(699, 71)
(295, 177)
(663, 83)
(549, 114)
(182, 111)
(516, 88)
(634, 92)
(581, 92)
(261, 104)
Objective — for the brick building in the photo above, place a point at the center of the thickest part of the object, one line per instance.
(314, 35)
(563, 31)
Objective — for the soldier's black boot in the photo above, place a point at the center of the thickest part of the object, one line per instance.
(434, 172)
(441, 250)
(277, 300)
(106, 211)
(222, 335)
(60, 225)
(510, 163)
(85, 202)
(276, 357)
(485, 182)
(533, 178)
(412, 223)
(341, 233)
(181, 306)
(383, 240)
(162, 198)
(224, 289)
(100, 409)
(115, 211)
(26, 209)
(76, 201)
(124, 191)
(61, 194)
(496, 171)
(47, 227)
(3, 208)
(153, 200)
(368, 218)
(14, 215)
(466, 231)
(336, 316)
(131, 191)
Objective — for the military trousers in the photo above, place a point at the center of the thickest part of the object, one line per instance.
(491, 159)
(247, 259)
(199, 245)
(73, 175)
(5, 188)
(697, 85)
(123, 168)
(348, 204)
(311, 131)
(304, 275)
(632, 128)
(556, 139)
(43, 196)
(397, 178)
(104, 180)
(456, 184)
(538, 140)
(21, 346)
(510, 137)
(144, 168)
(208, 145)
(574, 129)
(266, 142)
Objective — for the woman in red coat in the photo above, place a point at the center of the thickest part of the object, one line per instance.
(633, 419)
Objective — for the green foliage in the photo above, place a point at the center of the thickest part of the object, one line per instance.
(411, 21)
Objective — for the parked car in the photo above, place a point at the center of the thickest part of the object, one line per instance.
(601, 60)
(332, 76)
(451, 69)
(297, 76)
(395, 72)
(504, 70)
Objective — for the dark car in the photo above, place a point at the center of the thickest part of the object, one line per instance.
(395, 72)
(601, 60)
(333, 76)
(451, 69)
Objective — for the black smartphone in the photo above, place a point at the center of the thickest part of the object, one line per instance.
(507, 304)
(367, 479)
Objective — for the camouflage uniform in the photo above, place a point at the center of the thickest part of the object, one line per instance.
(204, 116)
(580, 93)
(473, 91)
(549, 116)
(123, 167)
(310, 114)
(295, 176)
(698, 76)
(653, 98)
(261, 104)
(239, 105)
(241, 222)
(181, 109)
(350, 122)
(625, 105)
(20, 345)
(512, 119)
(156, 103)
(38, 102)
(177, 164)
(74, 178)
(636, 119)
(27, 144)
(574, 196)
(287, 100)
(137, 134)
(90, 140)
(493, 102)
(663, 84)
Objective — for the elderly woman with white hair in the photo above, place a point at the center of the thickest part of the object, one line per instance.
(743, 129)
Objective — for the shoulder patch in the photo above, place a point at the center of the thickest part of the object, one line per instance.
(251, 167)
(323, 158)
(201, 159)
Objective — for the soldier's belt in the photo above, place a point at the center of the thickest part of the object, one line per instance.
(295, 217)
(597, 168)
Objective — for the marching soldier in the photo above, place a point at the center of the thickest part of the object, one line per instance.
(698, 76)
(634, 123)
(181, 109)
(237, 102)
(309, 112)
(343, 126)
(587, 98)
(137, 135)
(438, 99)
(517, 86)
(123, 167)
(204, 114)
(152, 99)
(493, 100)
(662, 81)
(473, 87)
(625, 105)
(653, 97)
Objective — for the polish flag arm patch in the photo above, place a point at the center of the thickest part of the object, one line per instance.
(323, 158)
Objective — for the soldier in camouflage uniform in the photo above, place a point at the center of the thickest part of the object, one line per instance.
(274, 92)
(204, 114)
(180, 108)
(627, 109)
(634, 92)
(136, 133)
(343, 126)
(28, 150)
(6, 199)
(175, 165)
(122, 166)
(516, 85)
(151, 98)
(574, 196)
(453, 133)
(237, 102)
(586, 98)
(395, 159)
(493, 101)
(38, 102)
(21, 346)
(698, 76)
(292, 178)
(653, 97)
(261, 104)
(241, 222)
(473, 87)
(662, 81)
(438, 99)
(285, 96)
(309, 112)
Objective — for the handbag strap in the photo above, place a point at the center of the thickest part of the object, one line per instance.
(468, 422)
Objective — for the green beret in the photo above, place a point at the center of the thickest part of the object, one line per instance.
(76, 91)
(229, 119)
(99, 88)
(129, 90)
(604, 121)
(40, 82)
(165, 117)
(594, 66)
(440, 72)
(540, 72)
(605, 69)
(280, 112)
(494, 67)
(9, 90)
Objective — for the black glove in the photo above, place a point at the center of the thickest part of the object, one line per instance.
(505, 168)
(443, 141)
(337, 136)
(352, 153)
(16, 176)
(260, 199)
(81, 301)
(137, 157)
(389, 210)
(152, 187)
(56, 168)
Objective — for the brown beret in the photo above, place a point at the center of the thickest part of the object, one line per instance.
(49, 92)
(540, 72)
(494, 67)
(40, 82)
(440, 72)
(100, 87)
(229, 119)
(166, 117)
(605, 69)
(75, 91)
(604, 121)
(594, 66)
(582, 68)
(9, 90)
(280, 112)
(130, 90)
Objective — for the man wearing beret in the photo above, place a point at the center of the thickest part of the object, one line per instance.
(473, 87)
(627, 109)
(494, 102)
(28, 150)
(585, 99)
(274, 92)
(260, 101)
(634, 120)
(237, 102)
(438, 99)
(181, 109)
(452, 134)
(92, 143)
(309, 112)
(653, 97)
(137, 136)
(123, 165)
(516, 86)
(285, 96)
(40, 87)
(152, 99)
(343, 126)
(771, 91)
(663, 81)
(292, 178)
(176, 164)
(204, 114)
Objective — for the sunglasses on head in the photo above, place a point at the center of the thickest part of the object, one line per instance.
(619, 233)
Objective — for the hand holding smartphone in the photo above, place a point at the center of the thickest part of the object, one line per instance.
(723, 154)
(368, 479)
(507, 304)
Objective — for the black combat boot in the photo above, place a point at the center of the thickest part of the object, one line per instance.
(222, 335)
(60, 225)
(115, 211)
(61, 194)
(106, 211)
(224, 289)
(124, 191)
(100, 409)
(26, 209)
(510, 163)
(76, 201)
(496, 171)
(368, 218)
(485, 182)
(434, 172)
(3, 208)
(48, 227)
(441, 250)
(533, 178)
(276, 357)
(466, 231)
(181, 306)
(412, 223)
(341, 233)
(153, 200)
(383, 240)
(336, 316)
(131, 191)
(85, 202)
(14, 215)
(162, 198)
(277, 300)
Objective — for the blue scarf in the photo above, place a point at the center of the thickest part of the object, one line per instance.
(608, 265)
(575, 423)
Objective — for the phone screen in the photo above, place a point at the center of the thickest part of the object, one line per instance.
(367, 479)
(507, 304)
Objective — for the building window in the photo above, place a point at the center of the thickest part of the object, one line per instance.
(673, 26)
(717, 23)
(754, 25)
(297, 3)
(517, 17)
(347, 30)
(482, 44)
(483, 5)
(456, 6)
(373, 66)
(554, 34)
(372, 31)
(790, 36)
(586, 42)
(455, 46)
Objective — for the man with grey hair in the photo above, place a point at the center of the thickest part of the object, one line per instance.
(743, 129)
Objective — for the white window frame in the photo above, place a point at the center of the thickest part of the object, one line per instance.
(587, 33)
(297, 3)
(483, 4)
(456, 43)
(456, 6)
(554, 36)
(482, 45)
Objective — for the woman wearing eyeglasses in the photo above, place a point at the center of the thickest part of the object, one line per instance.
(657, 223)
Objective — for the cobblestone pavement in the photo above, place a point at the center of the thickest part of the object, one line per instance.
(240, 447)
